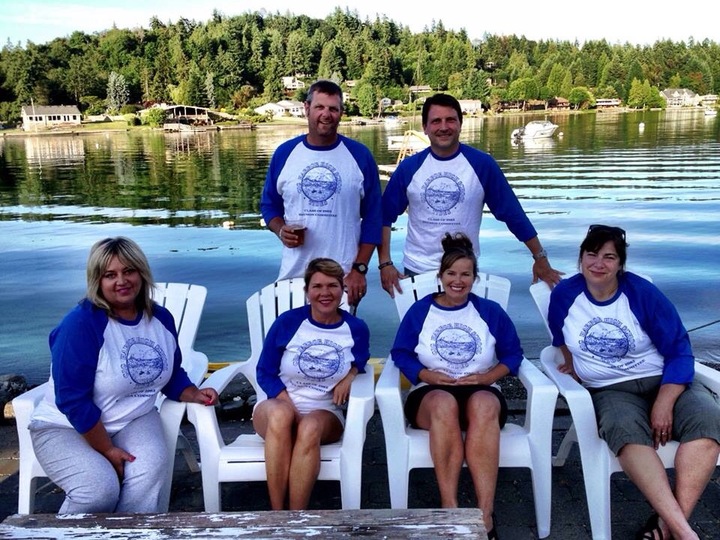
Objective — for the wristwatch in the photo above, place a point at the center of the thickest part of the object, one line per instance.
(542, 254)
(360, 267)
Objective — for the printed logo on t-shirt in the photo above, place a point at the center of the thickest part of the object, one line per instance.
(455, 343)
(319, 359)
(442, 192)
(143, 361)
(319, 182)
(608, 339)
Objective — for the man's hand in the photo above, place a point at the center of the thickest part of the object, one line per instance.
(390, 279)
(288, 238)
(356, 287)
(542, 270)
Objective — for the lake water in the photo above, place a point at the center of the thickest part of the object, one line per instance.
(656, 174)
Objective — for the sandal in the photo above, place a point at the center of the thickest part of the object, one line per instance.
(492, 533)
(651, 530)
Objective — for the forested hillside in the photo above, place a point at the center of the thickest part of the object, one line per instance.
(235, 62)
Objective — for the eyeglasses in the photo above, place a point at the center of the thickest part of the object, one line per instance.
(617, 231)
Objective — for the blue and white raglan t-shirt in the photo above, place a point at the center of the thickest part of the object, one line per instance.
(636, 333)
(334, 189)
(110, 369)
(457, 341)
(308, 359)
(447, 195)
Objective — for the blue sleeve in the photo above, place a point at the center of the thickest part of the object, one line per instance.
(279, 335)
(394, 199)
(562, 297)
(499, 195)
(271, 202)
(371, 203)
(361, 338)
(75, 346)
(659, 318)
(406, 340)
(179, 379)
(507, 343)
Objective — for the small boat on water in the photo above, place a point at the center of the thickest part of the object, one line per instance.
(710, 112)
(535, 129)
(409, 143)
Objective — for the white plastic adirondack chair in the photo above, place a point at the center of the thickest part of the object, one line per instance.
(243, 460)
(185, 302)
(528, 445)
(598, 461)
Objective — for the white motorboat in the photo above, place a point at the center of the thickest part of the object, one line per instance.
(535, 129)
(710, 112)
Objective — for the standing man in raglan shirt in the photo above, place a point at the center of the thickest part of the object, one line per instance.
(444, 188)
(328, 184)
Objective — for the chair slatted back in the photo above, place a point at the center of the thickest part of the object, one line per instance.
(488, 286)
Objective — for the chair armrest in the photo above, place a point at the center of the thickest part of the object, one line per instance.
(361, 406)
(207, 429)
(575, 394)
(389, 399)
(23, 407)
(220, 379)
(195, 364)
(541, 397)
(708, 376)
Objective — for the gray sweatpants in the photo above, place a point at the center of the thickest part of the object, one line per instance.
(90, 482)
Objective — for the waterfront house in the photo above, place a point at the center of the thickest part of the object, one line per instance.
(680, 97)
(292, 83)
(285, 107)
(41, 117)
(292, 107)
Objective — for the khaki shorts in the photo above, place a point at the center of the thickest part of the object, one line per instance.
(623, 413)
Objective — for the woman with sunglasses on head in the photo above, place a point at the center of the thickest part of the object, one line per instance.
(453, 347)
(624, 340)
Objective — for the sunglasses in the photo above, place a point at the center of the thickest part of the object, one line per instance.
(617, 231)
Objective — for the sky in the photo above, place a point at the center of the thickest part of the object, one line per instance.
(617, 21)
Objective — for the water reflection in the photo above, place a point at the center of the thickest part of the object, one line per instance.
(173, 192)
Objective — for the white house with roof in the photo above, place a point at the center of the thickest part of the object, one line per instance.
(292, 83)
(292, 107)
(680, 97)
(36, 117)
(285, 107)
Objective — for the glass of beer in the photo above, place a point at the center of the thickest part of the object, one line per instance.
(297, 227)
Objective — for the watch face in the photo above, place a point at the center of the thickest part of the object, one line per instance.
(361, 267)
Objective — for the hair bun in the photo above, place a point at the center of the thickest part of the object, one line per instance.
(457, 242)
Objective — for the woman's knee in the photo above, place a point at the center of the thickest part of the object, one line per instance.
(439, 404)
(483, 407)
(92, 491)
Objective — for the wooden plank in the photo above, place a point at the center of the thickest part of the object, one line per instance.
(331, 524)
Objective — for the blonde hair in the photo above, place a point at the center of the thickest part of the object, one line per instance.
(130, 254)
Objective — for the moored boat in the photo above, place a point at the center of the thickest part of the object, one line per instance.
(535, 129)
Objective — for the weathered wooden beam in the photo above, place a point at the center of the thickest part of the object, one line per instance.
(329, 524)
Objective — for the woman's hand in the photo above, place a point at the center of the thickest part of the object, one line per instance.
(435, 377)
(341, 392)
(567, 367)
(204, 396)
(117, 458)
(661, 415)
(475, 378)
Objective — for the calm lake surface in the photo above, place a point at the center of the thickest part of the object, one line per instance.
(656, 174)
